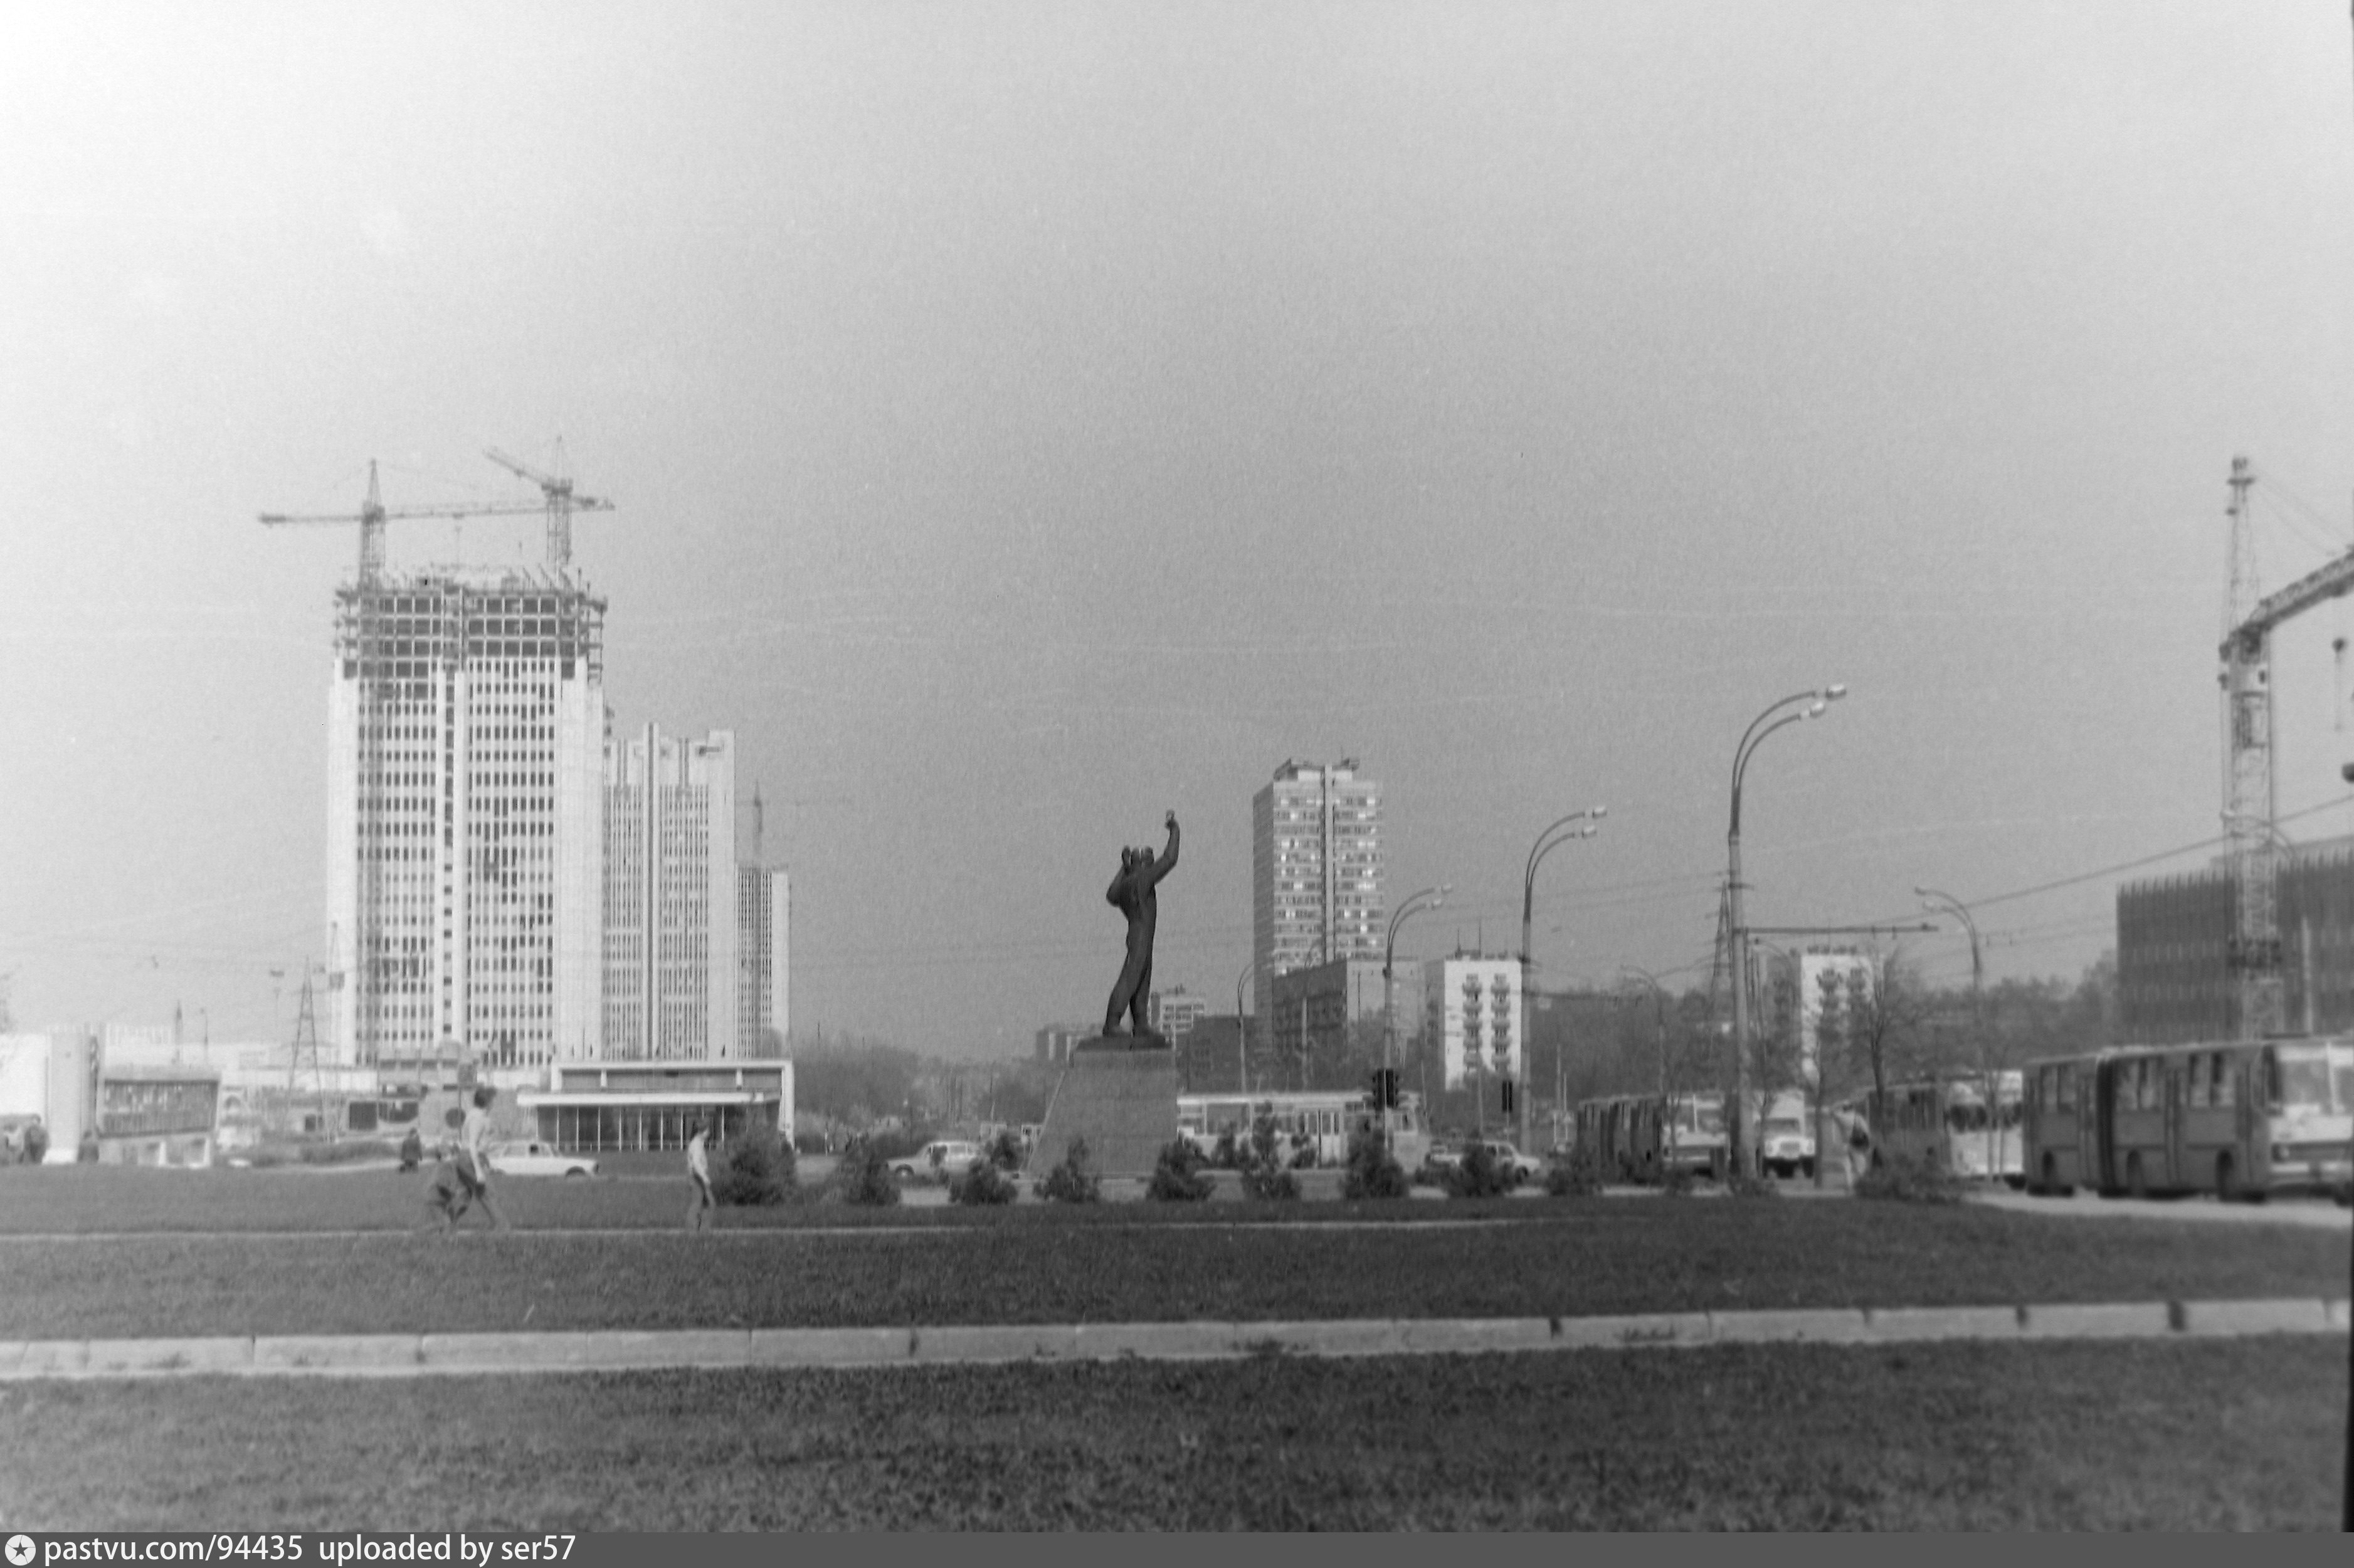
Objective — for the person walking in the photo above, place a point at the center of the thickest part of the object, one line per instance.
(474, 1157)
(1855, 1141)
(699, 1202)
(446, 1195)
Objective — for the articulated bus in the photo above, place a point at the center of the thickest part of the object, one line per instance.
(1638, 1138)
(1946, 1122)
(2241, 1119)
(1319, 1121)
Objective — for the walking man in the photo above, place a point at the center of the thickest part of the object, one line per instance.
(446, 1196)
(474, 1157)
(1131, 893)
(1855, 1137)
(700, 1202)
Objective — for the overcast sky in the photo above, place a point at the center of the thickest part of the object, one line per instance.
(1026, 417)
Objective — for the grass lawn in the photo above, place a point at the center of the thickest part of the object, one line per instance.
(1132, 1262)
(2175, 1436)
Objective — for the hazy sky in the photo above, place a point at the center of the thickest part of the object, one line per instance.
(1026, 417)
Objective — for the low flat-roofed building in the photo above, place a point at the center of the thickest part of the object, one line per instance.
(596, 1106)
(157, 1116)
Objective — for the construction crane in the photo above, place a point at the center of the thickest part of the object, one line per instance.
(368, 949)
(373, 515)
(561, 501)
(2250, 798)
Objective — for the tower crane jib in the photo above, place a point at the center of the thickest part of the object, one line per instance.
(2249, 796)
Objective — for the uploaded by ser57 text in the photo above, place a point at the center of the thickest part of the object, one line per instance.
(24, 1550)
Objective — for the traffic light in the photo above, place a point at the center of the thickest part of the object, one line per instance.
(1385, 1088)
(1508, 1097)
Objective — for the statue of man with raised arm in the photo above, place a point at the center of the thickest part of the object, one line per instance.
(1131, 893)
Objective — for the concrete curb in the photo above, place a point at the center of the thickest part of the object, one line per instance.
(1903, 1323)
(412, 1355)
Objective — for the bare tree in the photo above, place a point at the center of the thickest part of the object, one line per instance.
(1885, 1016)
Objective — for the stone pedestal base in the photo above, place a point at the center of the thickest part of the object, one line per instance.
(1122, 1098)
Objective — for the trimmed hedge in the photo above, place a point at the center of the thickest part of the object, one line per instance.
(761, 1172)
(1070, 1182)
(982, 1185)
(1372, 1174)
(1177, 1175)
(864, 1177)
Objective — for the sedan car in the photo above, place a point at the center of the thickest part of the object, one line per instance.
(538, 1160)
(1508, 1158)
(940, 1161)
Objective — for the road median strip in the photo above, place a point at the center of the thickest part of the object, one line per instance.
(411, 1355)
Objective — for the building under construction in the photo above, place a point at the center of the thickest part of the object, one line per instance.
(465, 817)
(508, 887)
(2179, 978)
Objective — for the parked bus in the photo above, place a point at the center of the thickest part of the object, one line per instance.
(2241, 1119)
(1947, 1123)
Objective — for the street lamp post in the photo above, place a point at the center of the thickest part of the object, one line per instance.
(1428, 899)
(1242, 1032)
(1547, 842)
(1819, 702)
(1945, 903)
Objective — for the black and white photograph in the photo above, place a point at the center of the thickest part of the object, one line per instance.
(758, 752)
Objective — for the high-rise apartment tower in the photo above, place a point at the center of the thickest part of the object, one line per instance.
(1316, 874)
(464, 853)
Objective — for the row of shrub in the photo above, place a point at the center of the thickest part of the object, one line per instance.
(763, 1171)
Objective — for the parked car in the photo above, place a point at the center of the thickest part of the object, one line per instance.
(1445, 1156)
(943, 1161)
(1523, 1168)
(538, 1160)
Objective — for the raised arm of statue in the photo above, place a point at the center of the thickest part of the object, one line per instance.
(1168, 861)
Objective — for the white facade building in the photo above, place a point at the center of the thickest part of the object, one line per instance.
(464, 847)
(1474, 1007)
(763, 923)
(671, 976)
(1173, 1013)
(1316, 874)
(1839, 977)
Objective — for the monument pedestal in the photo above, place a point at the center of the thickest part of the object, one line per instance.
(1122, 1097)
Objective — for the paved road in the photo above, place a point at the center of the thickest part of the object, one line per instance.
(2318, 1213)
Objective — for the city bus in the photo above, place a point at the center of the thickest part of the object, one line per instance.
(2241, 1119)
(1317, 1123)
(1639, 1138)
(1946, 1122)
(1612, 1130)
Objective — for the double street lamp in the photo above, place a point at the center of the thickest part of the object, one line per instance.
(1947, 903)
(1428, 899)
(1553, 838)
(1817, 703)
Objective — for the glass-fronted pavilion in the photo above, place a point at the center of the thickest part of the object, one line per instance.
(597, 1106)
